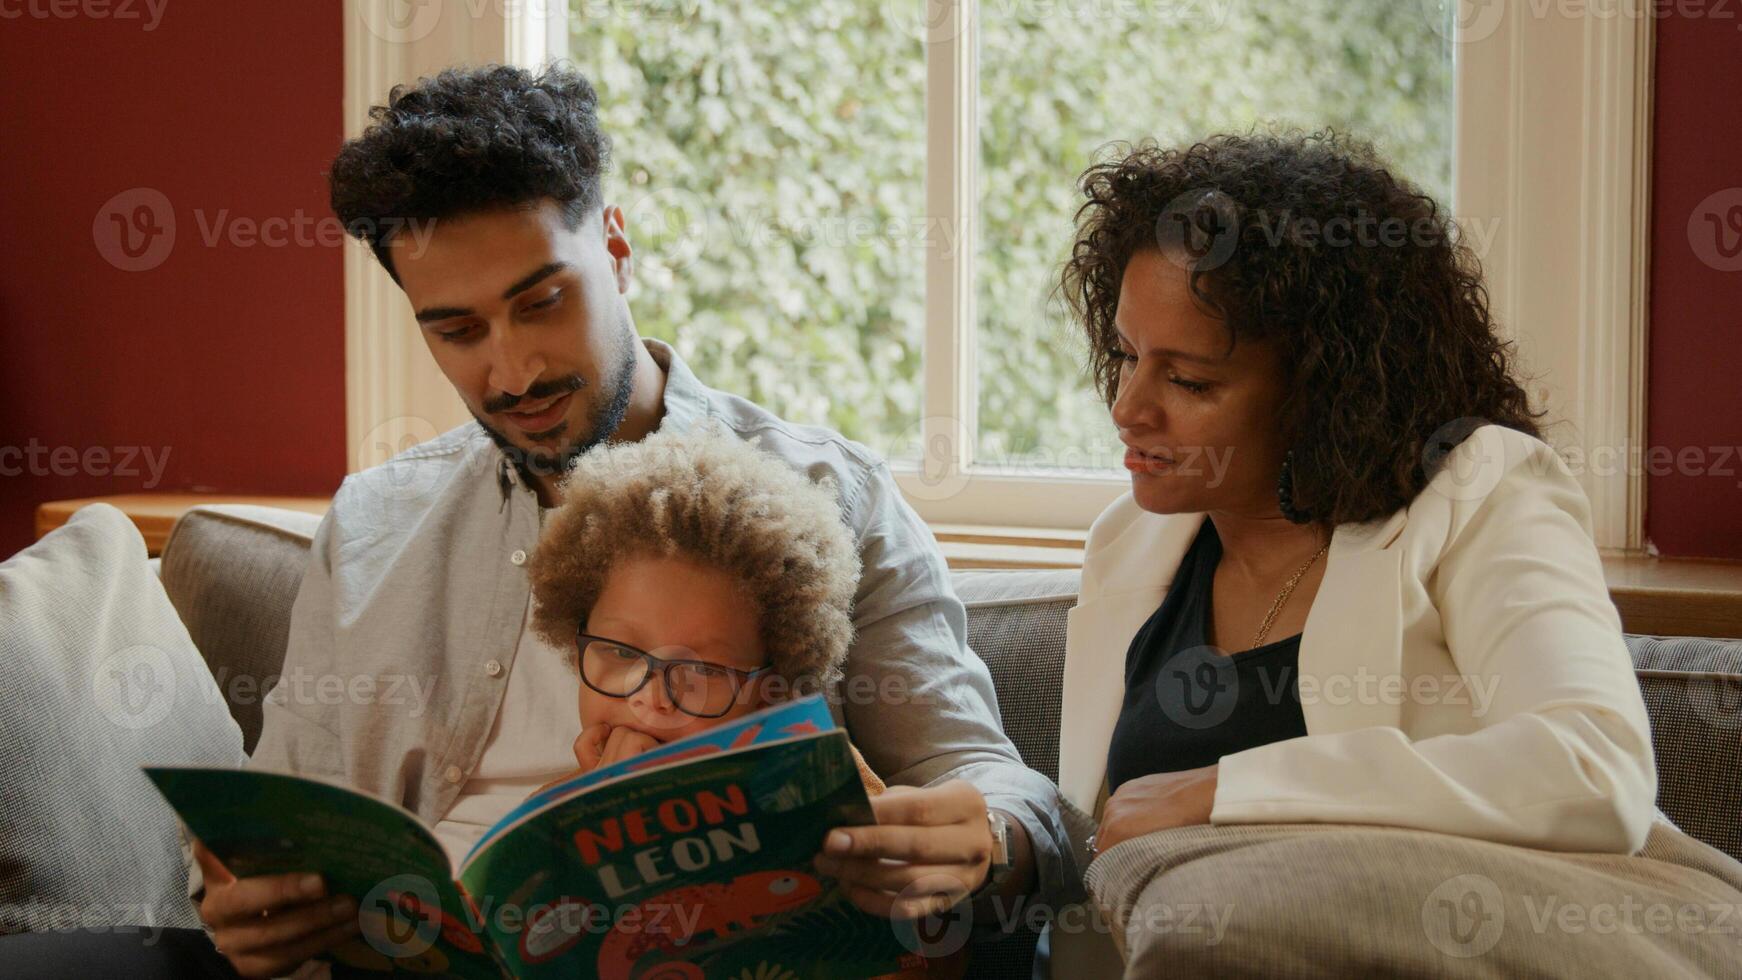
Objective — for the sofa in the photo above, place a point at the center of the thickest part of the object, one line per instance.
(231, 573)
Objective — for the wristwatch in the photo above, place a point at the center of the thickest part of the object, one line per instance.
(1003, 855)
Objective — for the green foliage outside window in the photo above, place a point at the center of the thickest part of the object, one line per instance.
(770, 155)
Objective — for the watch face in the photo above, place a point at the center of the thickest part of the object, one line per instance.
(1001, 856)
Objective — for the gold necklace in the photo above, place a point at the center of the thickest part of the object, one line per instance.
(1282, 597)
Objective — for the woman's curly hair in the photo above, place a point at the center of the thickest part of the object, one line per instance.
(471, 139)
(717, 500)
(1308, 242)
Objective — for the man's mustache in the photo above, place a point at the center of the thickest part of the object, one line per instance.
(539, 391)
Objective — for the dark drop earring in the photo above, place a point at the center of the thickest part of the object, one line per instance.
(1285, 492)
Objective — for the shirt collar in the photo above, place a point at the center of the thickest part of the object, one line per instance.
(686, 399)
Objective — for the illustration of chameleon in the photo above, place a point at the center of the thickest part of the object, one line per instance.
(671, 920)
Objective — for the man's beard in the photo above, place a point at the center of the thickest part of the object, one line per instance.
(609, 403)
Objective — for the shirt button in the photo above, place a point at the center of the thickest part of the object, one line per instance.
(493, 668)
(518, 558)
(454, 774)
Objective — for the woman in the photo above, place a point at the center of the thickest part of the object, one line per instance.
(1352, 597)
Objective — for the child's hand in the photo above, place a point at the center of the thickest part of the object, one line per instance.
(590, 746)
(600, 745)
(623, 743)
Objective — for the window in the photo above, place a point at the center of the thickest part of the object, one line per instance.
(773, 159)
(913, 315)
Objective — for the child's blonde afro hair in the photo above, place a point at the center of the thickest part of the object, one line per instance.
(713, 498)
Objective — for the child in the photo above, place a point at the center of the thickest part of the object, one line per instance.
(692, 579)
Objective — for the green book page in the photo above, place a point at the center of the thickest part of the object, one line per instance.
(414, 920)
(692, 872)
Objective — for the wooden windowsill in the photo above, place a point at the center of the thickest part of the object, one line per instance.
(1659, 596)
(156, 513)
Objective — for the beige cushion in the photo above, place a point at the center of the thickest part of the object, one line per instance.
(232, 572)
(99, 677)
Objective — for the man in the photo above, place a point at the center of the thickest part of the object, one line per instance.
(518, 282)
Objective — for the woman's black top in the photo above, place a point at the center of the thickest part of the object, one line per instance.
(1187, 704)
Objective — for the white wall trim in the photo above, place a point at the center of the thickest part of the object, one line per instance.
(1553, 147)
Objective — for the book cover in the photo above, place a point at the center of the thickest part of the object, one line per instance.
(691, 861)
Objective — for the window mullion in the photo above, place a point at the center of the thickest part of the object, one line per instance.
(952, 120)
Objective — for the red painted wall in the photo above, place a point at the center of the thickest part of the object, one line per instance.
(1694, 504)
(227, 352)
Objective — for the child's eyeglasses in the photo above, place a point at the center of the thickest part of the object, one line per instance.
(696, 687)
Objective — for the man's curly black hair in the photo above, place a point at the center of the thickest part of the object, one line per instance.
(1380, 320)
(467, 140)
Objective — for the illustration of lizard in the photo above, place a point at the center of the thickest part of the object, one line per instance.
(673, 919)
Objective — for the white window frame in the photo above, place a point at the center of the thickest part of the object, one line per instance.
(1552, 140)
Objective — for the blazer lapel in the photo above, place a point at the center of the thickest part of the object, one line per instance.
(1350, 654)
(1134, 571)
(1351, 647)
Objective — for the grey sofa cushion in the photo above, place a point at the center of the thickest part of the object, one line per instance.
(233, 572)
(1693, 689)
(99, 677)
(1016, 623)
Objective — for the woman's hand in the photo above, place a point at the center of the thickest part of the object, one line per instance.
(929, 849)
(1157, 802)
(266, 926)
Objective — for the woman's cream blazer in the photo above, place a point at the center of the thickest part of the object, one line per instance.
(1461, 671)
